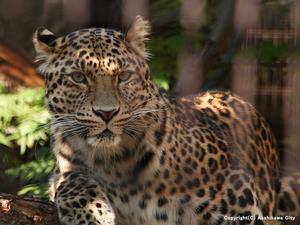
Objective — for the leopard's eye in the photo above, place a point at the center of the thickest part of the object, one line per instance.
(78, 77)
(125, 75)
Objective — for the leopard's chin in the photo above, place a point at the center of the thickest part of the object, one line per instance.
(104, 140)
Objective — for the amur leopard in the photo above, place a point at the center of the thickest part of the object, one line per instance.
(128, 154)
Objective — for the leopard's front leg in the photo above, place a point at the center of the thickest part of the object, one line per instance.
(80, 200)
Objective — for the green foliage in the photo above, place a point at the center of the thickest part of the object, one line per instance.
(34, 174)
(268, 53)
(165, 46)
(161, 8)
(164, 63)
(22, 116)
(24, 126)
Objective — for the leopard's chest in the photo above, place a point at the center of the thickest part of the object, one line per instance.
(151, 201)
(147, 210)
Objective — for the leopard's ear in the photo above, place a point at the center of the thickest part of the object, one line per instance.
(137, 35)
(44, 41)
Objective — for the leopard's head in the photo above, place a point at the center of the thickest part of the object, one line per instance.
(97, 81)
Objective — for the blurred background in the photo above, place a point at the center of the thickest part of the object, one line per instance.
(248, 46)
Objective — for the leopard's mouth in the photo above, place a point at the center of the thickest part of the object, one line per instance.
(106, 134)
(105, 139)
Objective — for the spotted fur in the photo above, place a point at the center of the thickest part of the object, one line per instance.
(128, 154)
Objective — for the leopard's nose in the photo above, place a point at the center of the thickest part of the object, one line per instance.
(106, 115)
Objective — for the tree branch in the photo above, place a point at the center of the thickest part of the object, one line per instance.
(15, 210)
(17, 66)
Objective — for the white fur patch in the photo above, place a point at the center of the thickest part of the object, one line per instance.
(46, 32)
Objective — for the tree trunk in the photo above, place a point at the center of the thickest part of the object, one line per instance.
(15, 210)
(214, 53)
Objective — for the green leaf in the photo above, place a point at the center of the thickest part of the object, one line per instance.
(162, 82)
(33, 189)
(4, 140)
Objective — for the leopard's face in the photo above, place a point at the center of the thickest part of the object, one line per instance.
(97, 84)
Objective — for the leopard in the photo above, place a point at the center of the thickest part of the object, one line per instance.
(128, 153)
